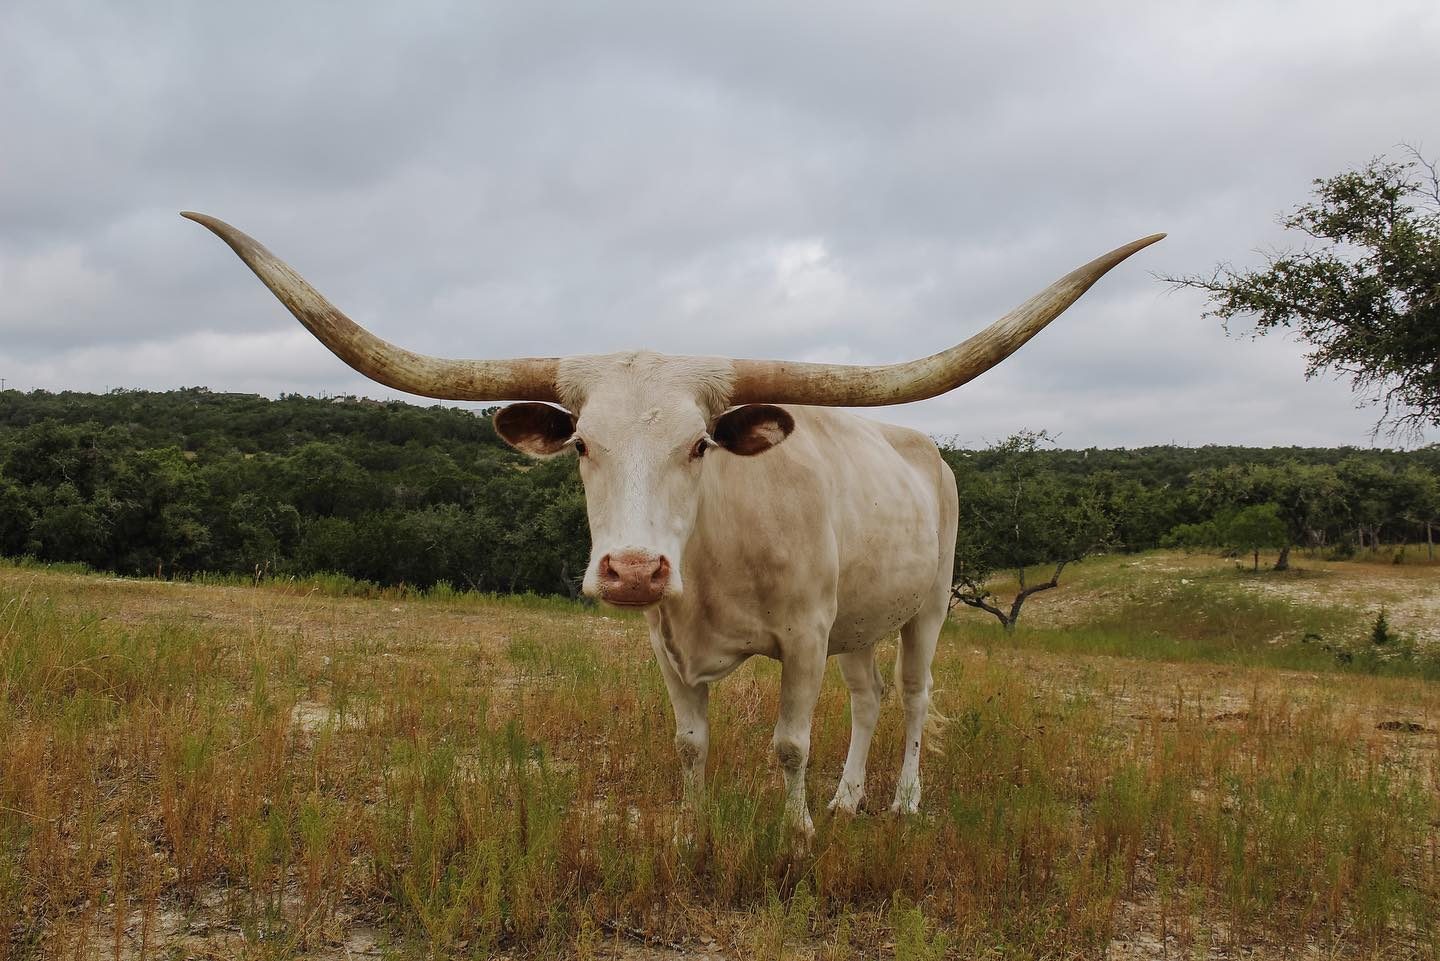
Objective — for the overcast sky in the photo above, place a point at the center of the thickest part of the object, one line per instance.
(837, 181)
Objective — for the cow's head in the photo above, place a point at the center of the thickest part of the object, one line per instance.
(644, 424)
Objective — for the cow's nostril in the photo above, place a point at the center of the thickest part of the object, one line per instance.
(633, 576)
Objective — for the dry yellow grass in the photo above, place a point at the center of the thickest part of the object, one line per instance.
(271, 773)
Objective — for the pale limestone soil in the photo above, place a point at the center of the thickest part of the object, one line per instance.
(1409, 593)
(1410, 596)
(1149, 930)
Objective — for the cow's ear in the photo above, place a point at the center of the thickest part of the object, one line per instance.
(537, 429)
(753, 428)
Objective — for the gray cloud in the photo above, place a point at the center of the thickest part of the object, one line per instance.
(845, 181)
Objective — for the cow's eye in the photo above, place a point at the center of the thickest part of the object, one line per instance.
(701, 446)
(580, 447)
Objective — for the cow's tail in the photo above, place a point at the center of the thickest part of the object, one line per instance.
(935, 722)
(882, 685)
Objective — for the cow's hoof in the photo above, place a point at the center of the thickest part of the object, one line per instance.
(802, 833)
(846, 800)
(688, 828)
(906, 803)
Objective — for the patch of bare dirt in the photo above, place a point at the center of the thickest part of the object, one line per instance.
(1409, 595)
(201, 929)
(1151, 928)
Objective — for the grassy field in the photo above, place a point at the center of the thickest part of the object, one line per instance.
(1171, 757)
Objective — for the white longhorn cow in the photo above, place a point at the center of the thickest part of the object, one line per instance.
(827, 544)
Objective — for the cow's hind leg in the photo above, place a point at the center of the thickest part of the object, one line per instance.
(917, 649)
(863, 679)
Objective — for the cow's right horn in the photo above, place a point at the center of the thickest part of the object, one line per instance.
(844, 385)
(529, 378)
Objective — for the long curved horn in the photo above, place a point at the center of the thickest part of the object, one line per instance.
(530, 378)
(843, 385)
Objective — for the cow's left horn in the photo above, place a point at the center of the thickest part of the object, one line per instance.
(842, 385)
(530, 378)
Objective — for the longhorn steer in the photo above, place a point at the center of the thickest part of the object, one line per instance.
(828, 543)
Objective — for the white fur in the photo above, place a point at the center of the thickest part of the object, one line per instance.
(640, 415)
(828, 543)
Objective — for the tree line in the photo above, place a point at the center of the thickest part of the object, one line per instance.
(1024, 505)
(181, 482)
(186, 481)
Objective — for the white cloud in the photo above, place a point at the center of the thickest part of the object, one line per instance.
(862, 183)
(266, 362)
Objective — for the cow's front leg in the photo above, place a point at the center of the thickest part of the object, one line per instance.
(691, 704)
(801, 674)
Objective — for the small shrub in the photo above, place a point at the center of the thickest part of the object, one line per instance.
(1383, 650)
(1380, 633)
(443, 591)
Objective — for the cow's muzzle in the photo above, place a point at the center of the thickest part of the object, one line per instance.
(633, 578)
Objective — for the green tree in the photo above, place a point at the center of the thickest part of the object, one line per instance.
(1421, 497)
(15, 518)
(70, 528)
(1141, 512)
(157, 523)
(262, 533)
(318, 479)
(1192, 536)
(1016, 515)
(1364, 293)
(1381, 500)
(1256, 528)
(1309, 499)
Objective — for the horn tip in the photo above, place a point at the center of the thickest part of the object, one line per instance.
(204, 220)
(1134, 246)
(237, 239)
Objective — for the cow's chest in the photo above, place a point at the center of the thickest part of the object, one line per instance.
(702, 650)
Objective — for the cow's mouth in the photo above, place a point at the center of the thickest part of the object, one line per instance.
(633, 603)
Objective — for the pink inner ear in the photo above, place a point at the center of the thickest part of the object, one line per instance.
(753, 429)
(534, 428)
(770, 431)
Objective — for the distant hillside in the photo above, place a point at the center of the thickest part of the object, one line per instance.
(177, 482)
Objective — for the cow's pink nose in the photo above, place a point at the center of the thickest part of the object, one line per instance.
(633, 577)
